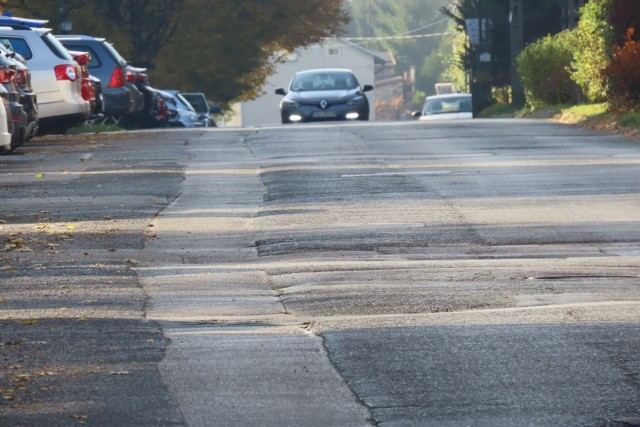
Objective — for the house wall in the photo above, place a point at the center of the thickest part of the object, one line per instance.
(265, 110)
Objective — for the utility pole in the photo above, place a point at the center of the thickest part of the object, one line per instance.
(516, 23)
(478, 30)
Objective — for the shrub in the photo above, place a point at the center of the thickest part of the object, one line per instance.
(591, 52)
(623, 77)
(543, 67)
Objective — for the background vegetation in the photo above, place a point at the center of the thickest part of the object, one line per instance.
(596, 61)
(415, 31)
(223, 48)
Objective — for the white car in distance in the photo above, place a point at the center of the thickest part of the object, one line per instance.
(446, 107)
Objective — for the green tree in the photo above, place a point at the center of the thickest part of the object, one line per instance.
(410, 21)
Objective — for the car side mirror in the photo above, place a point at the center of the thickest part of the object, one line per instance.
(280, 92)
(367, 88)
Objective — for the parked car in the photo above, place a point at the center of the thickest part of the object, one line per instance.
(122, 96)
(324, 94)
(155, 112)
(91, 86)
(7, 18)
(181, 113)
(199, 103)
(55, 77)
(18, 117)
(27, 98)
(5, 124)
(446, 107)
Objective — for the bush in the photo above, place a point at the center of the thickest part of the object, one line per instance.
(544, 71)
(591, 52)
(623, 77)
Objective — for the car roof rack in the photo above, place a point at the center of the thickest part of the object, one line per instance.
(7, 18)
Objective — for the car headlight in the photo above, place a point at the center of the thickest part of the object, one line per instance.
(356, 101)
(287, 103)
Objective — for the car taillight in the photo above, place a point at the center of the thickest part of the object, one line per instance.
(136, 77)
(21, 78)
(117, 78)
(82, 58)
(6, 75)
(66, 72)
(88, 92)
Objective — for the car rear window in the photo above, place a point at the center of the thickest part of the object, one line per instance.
(18, 45)
(95, 59)
(114, 53)
(56, 47)
(197, 102)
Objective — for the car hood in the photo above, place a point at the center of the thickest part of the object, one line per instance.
(319, 95)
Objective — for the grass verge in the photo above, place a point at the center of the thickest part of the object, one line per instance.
(592, 116)
(95, 128)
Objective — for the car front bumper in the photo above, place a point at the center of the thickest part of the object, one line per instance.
(310, 113)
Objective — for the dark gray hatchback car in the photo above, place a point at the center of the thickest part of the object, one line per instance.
(121, 95)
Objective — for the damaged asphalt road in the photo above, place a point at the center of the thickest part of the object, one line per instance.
(75, 347)
(348, 274)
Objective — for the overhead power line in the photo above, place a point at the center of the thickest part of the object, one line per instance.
(415, 36)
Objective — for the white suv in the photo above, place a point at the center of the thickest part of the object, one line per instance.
(55, 77)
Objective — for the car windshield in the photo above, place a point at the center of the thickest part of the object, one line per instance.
(455, 104)
(324, 81)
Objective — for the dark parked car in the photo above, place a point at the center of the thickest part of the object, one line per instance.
(121, 95)
(324, 94)
(181, 113)
(199, 103)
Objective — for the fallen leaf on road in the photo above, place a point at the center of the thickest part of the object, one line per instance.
(29, 322)
(39, 176)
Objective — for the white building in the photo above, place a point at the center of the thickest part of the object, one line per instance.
(333, 53)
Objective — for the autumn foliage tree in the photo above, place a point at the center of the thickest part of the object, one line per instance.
(223, 48)
(227, 49)
(623, 77)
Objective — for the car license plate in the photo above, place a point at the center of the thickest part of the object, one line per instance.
(324, 114)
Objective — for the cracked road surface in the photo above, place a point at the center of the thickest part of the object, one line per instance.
(402, 274)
